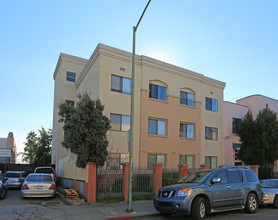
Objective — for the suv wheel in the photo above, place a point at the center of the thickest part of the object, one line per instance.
(251, 203)
(275, 202)
(199, 209)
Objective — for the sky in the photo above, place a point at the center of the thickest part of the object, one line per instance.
(234, 41)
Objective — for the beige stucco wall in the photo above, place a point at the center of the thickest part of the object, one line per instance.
(212, 119)
(63, 90)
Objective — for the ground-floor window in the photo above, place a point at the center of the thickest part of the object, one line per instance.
(115, 159)
(212, 161)
(156, 158)
(187, 159)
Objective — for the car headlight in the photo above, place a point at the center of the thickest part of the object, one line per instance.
(266, 195)
(184, 192)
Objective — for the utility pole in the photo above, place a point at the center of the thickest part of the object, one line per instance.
(132, 115)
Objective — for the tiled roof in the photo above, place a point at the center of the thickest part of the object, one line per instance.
(3, 142)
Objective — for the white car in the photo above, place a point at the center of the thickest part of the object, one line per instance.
(38, 185)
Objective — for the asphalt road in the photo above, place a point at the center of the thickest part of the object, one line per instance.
(263, 213)
(13, 198)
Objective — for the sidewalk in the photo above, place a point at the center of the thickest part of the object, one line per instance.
(59, 211)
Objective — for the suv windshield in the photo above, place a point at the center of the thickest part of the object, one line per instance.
(195, 177)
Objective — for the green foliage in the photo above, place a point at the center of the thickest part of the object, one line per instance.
(37, 149)
(85, 129)
(169, 177)
(259, 138)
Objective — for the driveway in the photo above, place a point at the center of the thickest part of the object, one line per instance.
(13, 198)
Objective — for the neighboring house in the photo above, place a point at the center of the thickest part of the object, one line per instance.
(8, 149)
(233, 115)
(178, 113)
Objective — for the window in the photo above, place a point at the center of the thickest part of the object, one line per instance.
(236, 124)
(121, 84)
(120, 122)
(251, 176)
(157, 92)
(70, 102)
(187, 130)
(187, 159)
(156, 158)
(115, 159)
(222, 175)
(212, 161)
(211, 133)
(157, 127)
(71, 76)
(234, 176)
(212, 104)
(187, 98)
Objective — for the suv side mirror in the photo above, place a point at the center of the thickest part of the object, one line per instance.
(216, 180)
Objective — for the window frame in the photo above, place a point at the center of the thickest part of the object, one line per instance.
(121, 122)
(157, 127)
(186, 99)
(210, 159)
(235, 125)
(157, 94)
(186, 157)
(210, 104)
(121, 86)
(150, 166)
(186, 131)
(71, 76)
(213, 130)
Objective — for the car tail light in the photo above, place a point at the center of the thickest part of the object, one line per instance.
(25, 187)
(19, 180)
(52, 187)
(54, 175)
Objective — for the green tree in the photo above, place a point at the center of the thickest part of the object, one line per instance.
(29, 153)
(37, 149)
(44, 146)
(85, 129)
(259, 138)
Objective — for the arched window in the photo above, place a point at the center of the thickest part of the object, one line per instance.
(187, 97)
(158, 90)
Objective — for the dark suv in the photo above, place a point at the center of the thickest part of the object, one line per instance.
(206, 191)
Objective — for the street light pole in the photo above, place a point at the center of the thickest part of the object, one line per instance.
(132, 114)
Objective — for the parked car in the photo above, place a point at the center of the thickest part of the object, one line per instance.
(205, 191)
(3, 190)
(14, 178)
(48, 170)
(270, 192)
(38, 185)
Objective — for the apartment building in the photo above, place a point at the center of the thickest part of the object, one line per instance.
(233, 115)
(178, 113)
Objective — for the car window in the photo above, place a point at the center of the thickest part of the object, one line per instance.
(195, 177)
(44, 170)
(234, 176)
(251, 176)
(12, 175)
(34, 178)
(222, 175)
(270, 184)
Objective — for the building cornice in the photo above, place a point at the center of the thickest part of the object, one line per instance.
(70, 59)
(102, 49)
(257, 95)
